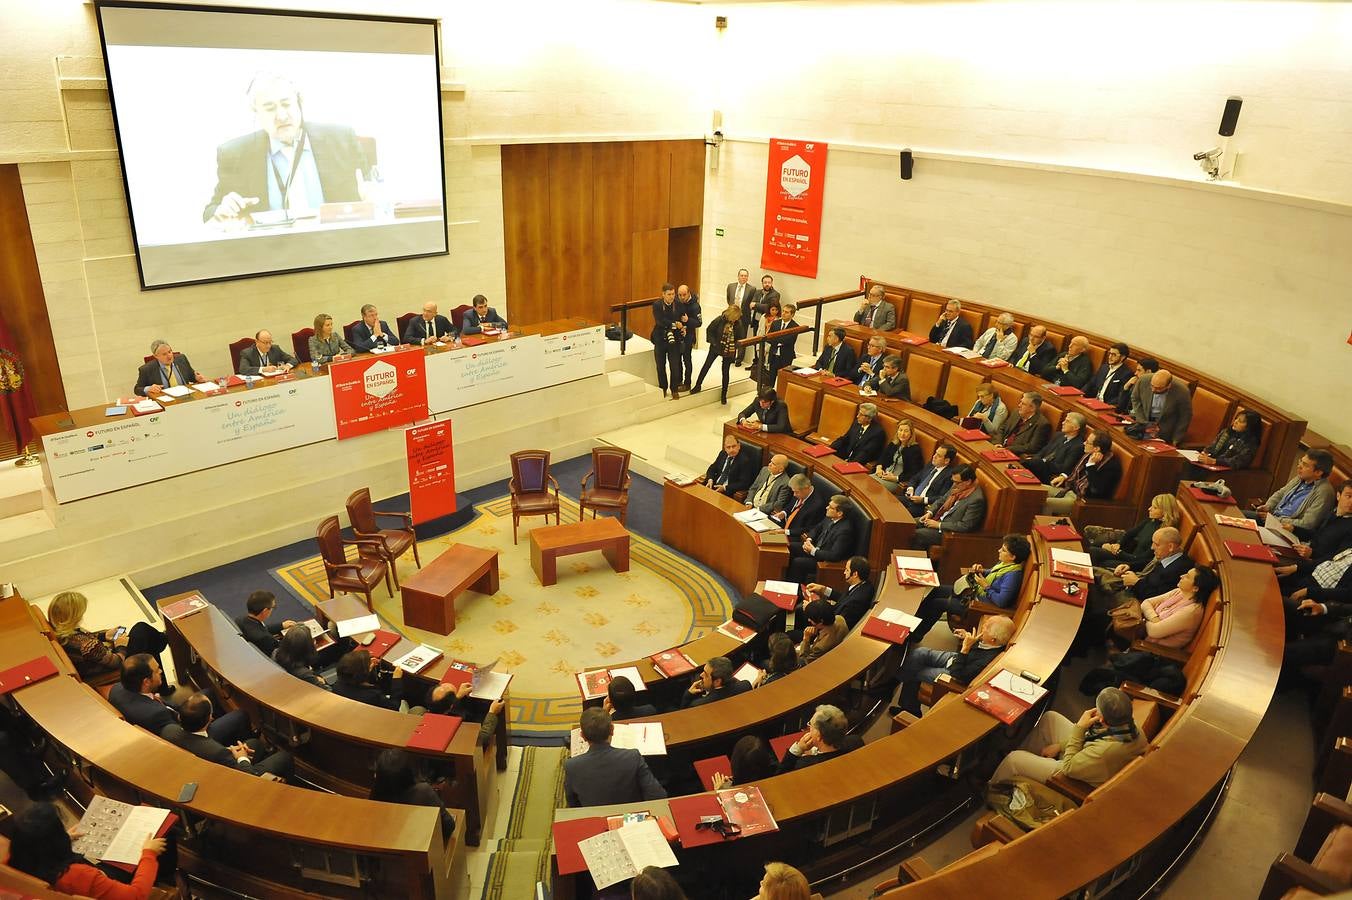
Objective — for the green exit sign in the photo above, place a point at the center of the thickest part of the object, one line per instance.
(718, 232)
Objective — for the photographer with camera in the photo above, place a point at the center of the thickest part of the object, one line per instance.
(668, 337)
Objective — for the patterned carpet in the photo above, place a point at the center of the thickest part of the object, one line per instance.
(544, 635)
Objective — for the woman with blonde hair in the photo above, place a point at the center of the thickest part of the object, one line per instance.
(723, 334)
(1111, 547)
(98, 653)
(324, 344)
(783, 882)
(900, 459)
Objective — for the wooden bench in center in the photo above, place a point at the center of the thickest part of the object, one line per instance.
(429, 594)
(547, 544)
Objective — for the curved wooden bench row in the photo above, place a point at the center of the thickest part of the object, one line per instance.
(335, 740)
(279, 840)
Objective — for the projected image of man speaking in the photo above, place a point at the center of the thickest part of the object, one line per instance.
(288, 166)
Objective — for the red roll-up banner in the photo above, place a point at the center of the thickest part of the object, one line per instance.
(431, 470)
(372, 393)
(794, 187)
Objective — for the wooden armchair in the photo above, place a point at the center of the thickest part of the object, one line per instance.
(300, 343)
(610, 468)
(1326, 841)
(1194, 670)
(1181, 655)
(529, 487)
(392, 542)
(236, 348)
(351, 576)
(916, 868)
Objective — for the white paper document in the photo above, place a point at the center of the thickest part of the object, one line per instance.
(178, 390)
(417, 659)
(1018, 686)
(915, 563)
(359, 625)
(748, 673)
(147, 406)
(1072, 557)
(490, 685)
(782, 587)
(207, 387)
(897, 617)
(1189, 455)
(747, 516)
(613, 856)
(116, 831)
(806, 370)
(645, 737)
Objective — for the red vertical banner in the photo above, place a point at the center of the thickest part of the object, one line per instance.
(372, 393)
(794, 186)
(431, 470)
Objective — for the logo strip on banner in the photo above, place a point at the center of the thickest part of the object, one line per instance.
(794, 187)
(375, 393)
(431, 471)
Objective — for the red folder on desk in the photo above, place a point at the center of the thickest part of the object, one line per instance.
(744, 806)
(434, 732)
(818, 450)
(1095, 404)
(1005, 707)
(915, 340)
(1209, 498)
(1062, 390)
(686, 812)
(381, 643)
(706, 768)
(886, 631)
(1255, 552)
(1058, 532)
(1056, 590)
(835, 381)
(671, 663)
(849, 468)
(1156, 446)
(24, 674)
(994, 363)
(1113, 418)
(566, 836)
(1000, 454)
(1020, 475)
(971, 434)
(473, 340)
(458, 673)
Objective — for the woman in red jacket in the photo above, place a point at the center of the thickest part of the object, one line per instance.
(41, 848)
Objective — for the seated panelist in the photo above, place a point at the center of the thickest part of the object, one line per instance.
(481, 316)
(372, 332)
(265, 357)
(167, 369)
(429, 327)
(325, 346)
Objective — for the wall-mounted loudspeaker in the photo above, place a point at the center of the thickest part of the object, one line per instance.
(1230, 118)
(907, 165)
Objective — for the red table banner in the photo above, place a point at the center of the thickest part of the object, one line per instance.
(431, 470)
(794, 187)
(372, 393)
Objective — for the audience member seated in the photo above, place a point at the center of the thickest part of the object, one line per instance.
(1327, 541)
(1122, 585)
(1319, 614)
(622, 700)
(397, 780)
(863, 441)
(901, 459)
(1059, 455)
(1112, 376)
(751, 758)
(824, 631)
(40, 846)
(1302, 504)
(826, 738)
(722, 336)
(99, 653)
(358, 673)
(655, 883)
(875, 311)
(604, 774)
(255, 626)
(296, 653)
(325, 346)
(1094, 477)
(768, 412)
(931, 484)
(1135, 397)
(855, 601)
(783, 658)
(246, 755)
(837, 357)
(962, 509)
(872, 362)
(481, 316)
(265, 357)
(372, 331)
(988, 409)
(805, 510)
(770, 490)
(167, 369)
(1170, 411)
(924, 665)
(1034, 351)
(429, 327)
(891, 382)
(1172, 619)
(1026, 433)
(1073, 368)
(1234, 447)
(135, 697)
(952, 330)
(997, 586)
(783, 882)
(1092, 749)
(458, 703)
(1112, 547)
(714, 683)
(998, 341)
(732, 471)
(831, 540)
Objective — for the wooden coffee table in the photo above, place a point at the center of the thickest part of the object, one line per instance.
(429, 594)
(550, 542)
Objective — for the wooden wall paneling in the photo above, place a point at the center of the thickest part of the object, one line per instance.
(687, 184)
(649, 250)
(683, 259)
(526, 231)
(612, 227)
(25, 304)
(652, 184)
(571, 268)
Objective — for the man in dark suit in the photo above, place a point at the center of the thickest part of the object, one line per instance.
(715, 682)
(875, 311)
(827, 737)
(830, 541)
(933, 482)
(779, 354)
(1073, 368)
(962, 510)
(761, 302)
(770, 490)
(255, 626)
(837, 357)
(1159, 576)
(871, 365)
(1168, 406)
(1026, 433)
(622, 701)
(925, 664)
(1034, 352)
(668, 338)
(167, 369)
(481, 316)
(769, 411)
(1062, 452)
(952, 330)
(372, 331)
(287, 163)
(429, 327)
(135, 696)
(1135, 396)
(694, 320)
(1106, 385)
(863, 441)
(805, 510)
(743, 296)
(855, 601)
(192, 734)
(264, 354)
(732, 471)
(605, 775)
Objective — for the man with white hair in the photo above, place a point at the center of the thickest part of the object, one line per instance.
(924, 665)
(1062, 452)
(429, 327)
(1073, 368)
(952, 330)
(1092, 749)
(165, 369)
(998, 341)
(875, 312)
(826, 738)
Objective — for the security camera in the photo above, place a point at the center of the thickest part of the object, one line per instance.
(1217, 162)
(1210, 161)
